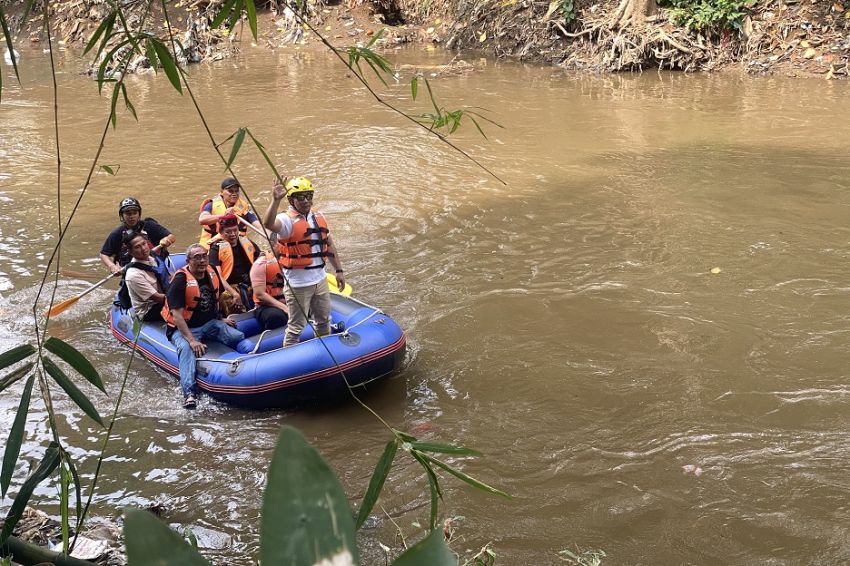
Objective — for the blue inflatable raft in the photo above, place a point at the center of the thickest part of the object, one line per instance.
(260, 373)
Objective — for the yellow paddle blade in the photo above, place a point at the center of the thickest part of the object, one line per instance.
(335, 289)
(62, 307)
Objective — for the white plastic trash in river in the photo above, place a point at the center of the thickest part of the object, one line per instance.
(8, 56)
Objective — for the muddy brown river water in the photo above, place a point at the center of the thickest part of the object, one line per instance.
(567, 323)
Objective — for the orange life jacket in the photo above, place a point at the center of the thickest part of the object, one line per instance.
(240, 209)
(225, 255)
(296, 252)
(193, 293)
(274, 278)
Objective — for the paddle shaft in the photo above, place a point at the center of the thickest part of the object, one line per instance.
(64, 305)
(251, 226)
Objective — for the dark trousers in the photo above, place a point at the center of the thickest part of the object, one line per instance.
(271, 317)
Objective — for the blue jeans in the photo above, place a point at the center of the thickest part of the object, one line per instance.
(215, 330)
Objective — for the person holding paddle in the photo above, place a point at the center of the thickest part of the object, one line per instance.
(304, 244)
(192, 313)
(233, 254)
(115, 254)
(228, 201)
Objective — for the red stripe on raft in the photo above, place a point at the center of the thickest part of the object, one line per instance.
(173, 370)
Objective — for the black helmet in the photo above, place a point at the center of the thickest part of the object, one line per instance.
(128, 203)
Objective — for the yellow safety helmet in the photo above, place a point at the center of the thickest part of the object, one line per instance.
(298, 185)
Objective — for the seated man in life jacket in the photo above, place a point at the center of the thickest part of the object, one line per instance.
(233, 254)
(227, 202)
(145, 279)
(192, 313)
(267, 281)
(115, 254)
(304, 244)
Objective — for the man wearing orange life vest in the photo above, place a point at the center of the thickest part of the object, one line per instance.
(192, 313)
(227, 202)
(233, 255)
(305, 246)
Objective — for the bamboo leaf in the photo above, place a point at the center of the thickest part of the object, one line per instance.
(430, 551)
(113, 115)
(44, 469)
(74, 358)
(378, 60)
(15, 355)
(127, 103)
(306, 518)
(167, 64)
(107, 22)
(456, 118)
(376, 484)
(16, 437)
(444, 448)
(251, 9)
(431, 95)
(109, 169)
(150, 541)
(434, 485)
(222, 14)
(237, 143)
(16, 375)
(151, 54)
(107, 35)
(376, 71)
(8, 37)
(414, 87)
(75, 394)
(101, 70)
(376, 37)
(478, 127)
(237, 13)
(77, 489)
(404, 436)
(265, 155)
(466, 478)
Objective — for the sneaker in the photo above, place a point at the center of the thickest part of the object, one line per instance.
(189, 402)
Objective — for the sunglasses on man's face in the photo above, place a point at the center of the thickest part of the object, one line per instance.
(199, 257)
(303, 196)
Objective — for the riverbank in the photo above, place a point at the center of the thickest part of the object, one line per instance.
(806, 38)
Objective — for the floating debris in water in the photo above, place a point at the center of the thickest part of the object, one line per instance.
(692, 469)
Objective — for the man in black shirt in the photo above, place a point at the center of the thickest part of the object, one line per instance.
(192, 315)
(234, 254)
(115, 254)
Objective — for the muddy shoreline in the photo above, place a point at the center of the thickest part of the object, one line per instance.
(804, 39)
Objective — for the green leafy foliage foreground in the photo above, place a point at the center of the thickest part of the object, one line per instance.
(306, 519)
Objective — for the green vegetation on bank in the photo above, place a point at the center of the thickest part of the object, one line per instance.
(709, 15)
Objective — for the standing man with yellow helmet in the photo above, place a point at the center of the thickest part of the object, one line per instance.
(227, 202)
(304, 245)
